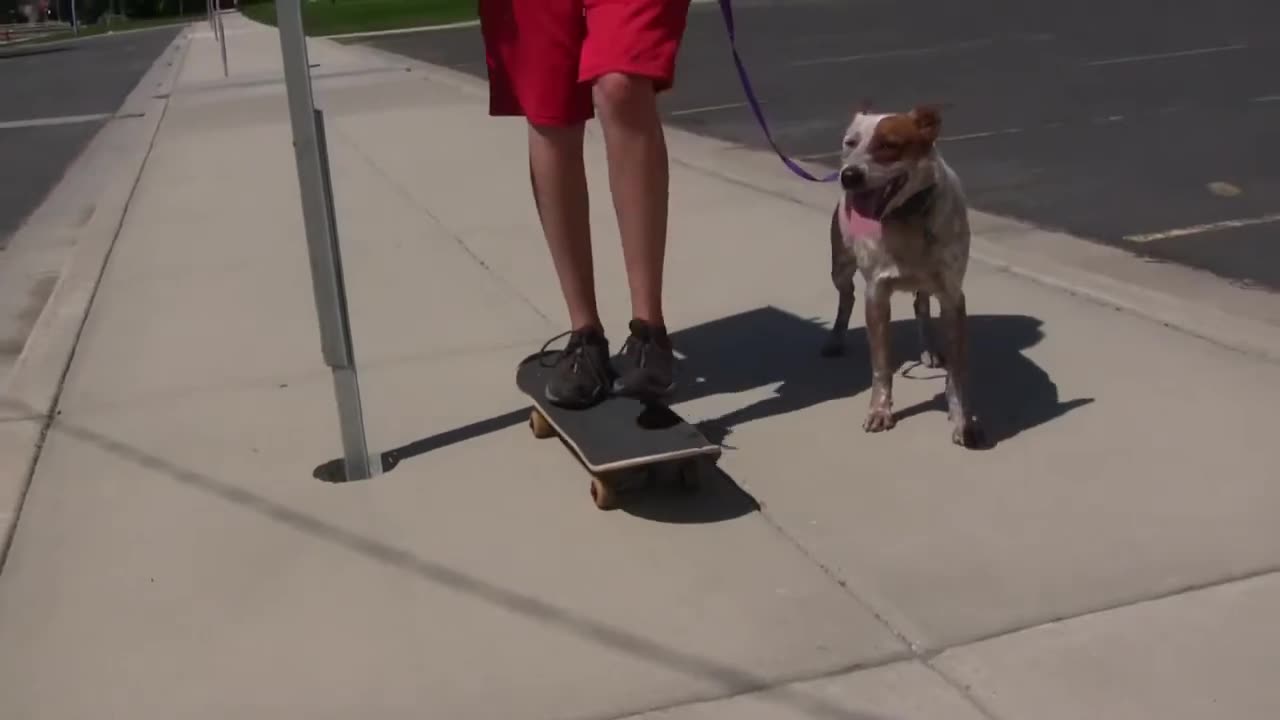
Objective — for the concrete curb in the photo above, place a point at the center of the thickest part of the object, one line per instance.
(1192, 301)
(30, 394)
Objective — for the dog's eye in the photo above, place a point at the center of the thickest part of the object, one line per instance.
(851, 142)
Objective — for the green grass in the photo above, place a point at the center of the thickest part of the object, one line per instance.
(333, 17)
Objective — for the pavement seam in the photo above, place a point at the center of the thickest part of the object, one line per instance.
(46, 418)
(781, 684)
(1143, 600)
(457, 239)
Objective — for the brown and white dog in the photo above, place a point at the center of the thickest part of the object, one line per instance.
(903, 223)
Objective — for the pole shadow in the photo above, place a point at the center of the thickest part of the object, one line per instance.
(727, 679)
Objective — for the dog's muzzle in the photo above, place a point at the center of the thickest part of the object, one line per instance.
(852, 178)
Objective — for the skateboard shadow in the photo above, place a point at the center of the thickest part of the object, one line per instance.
(718, 499)
(769, 346)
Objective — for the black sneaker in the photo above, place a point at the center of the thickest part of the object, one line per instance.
(582, 374)
(645, 364)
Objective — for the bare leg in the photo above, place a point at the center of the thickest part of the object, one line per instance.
(560, 193)
(966, 429)
(638, 179)
(929, 355)
(880, 416)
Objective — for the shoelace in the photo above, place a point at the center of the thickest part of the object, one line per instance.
(575, 349)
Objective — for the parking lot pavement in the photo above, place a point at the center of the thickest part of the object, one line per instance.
(1150, 133)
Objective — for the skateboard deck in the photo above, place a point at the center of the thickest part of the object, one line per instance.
(617, 435)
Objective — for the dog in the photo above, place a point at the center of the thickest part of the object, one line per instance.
(902, 222)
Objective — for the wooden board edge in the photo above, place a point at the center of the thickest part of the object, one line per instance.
(715, 450)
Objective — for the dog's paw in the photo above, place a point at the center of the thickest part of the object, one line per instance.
(879, 420)
(932, 359)
(832, 348)
(969, 434)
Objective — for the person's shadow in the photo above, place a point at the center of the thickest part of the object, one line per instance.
(769, 346)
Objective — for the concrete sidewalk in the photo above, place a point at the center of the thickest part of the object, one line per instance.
(1114, 556)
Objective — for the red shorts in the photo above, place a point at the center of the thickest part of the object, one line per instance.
(543, 55)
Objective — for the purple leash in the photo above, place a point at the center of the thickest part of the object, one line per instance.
(726, 9)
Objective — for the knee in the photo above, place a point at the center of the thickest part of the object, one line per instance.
(619, 94)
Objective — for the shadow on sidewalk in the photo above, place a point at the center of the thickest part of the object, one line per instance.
(727, 679)
(769, 346)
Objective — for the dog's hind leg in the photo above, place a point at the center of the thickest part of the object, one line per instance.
(966, 430)
(843, 267)
(930, 356)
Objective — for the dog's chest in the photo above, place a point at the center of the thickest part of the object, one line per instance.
(901, 251)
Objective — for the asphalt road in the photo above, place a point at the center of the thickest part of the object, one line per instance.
(73, 88)
(1105, 118)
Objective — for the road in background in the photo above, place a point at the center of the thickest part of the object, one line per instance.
(53, 103)
(1129, 122)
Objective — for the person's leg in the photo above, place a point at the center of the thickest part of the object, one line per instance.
(559, 180)
(533, 49)
(638, 180)
(629, 57)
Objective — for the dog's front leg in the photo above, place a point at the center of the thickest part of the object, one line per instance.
(929, 355)
(880, 415)
(966, 430)
(843, 267)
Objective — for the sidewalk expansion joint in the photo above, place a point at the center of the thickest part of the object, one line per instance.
(929, 655)
(457, 239)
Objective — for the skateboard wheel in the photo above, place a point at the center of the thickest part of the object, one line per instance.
(539, 425)
(603, 495)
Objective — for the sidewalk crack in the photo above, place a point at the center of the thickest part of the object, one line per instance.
(413, 202)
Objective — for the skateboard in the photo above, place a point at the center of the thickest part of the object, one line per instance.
(621, 440)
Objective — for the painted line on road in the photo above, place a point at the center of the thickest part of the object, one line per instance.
(402, 31)
(1266, 98)
(1164, 56)
(1206, 227)
(47, 121)
(978, 135)
(892, 53)
(705, 108)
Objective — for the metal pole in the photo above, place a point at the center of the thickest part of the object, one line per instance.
(75, 20)
(222, 43)
(322, 239)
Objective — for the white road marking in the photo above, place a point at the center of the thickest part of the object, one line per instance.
(1221, 188)
(705, 108)
(1163, 56)
(1267, 98)
(1207, 227)
(46, 121)
(403, 31)
(891, 53)
(975, 136)
(819, 156)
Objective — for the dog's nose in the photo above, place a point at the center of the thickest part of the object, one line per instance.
(852, 177)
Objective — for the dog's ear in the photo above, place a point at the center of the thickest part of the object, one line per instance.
(928, 120)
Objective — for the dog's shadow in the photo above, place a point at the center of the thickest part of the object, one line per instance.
(769, 346)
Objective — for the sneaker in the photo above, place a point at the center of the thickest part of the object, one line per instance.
(582, 375)
(645, 364)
